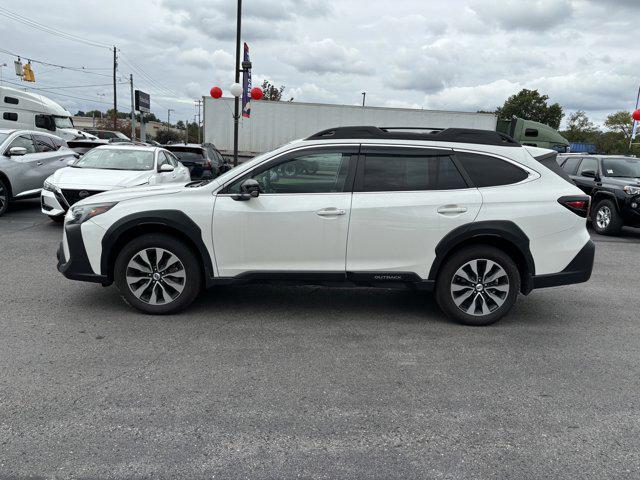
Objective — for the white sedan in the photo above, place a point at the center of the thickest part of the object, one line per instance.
(106, 168)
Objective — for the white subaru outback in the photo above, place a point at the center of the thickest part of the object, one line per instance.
(469, 214)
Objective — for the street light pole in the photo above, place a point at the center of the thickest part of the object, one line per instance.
(236, 114)
(169, 117)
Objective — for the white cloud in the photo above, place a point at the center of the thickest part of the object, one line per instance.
(327, 56)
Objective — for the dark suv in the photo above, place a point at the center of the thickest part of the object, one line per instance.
(613, 181)
(202, 160)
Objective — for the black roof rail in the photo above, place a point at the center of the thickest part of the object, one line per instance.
(457, 135)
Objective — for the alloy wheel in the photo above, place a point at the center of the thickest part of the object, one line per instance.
(480, 287)
(603, 217)
(4, 197)
(155, 276)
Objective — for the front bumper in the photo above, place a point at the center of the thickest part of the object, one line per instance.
(578, 271)
(52, 204)
(77, 266)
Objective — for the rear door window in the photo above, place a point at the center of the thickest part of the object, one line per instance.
(390, 172)
(570, 165)
(487, 171)
(44, 144)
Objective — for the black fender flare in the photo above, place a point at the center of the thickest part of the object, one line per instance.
(504, 230)
(598, 194)
(169, 220)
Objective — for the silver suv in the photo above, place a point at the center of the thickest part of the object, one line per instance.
(26, 159)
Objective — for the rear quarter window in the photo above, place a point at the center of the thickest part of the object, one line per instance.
(487, 171)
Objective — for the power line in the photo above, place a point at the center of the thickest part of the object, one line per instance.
(149, 78)
(53, 92)
(41, 62)
(32, 23)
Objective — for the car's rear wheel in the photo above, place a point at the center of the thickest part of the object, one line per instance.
(158, 274)
(4, 196)
(478, 285)
(605, 218)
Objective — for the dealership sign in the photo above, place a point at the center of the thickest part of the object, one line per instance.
(142, 101)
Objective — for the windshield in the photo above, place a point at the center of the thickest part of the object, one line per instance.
(3, 137)
(116, 159)
(192, 155)
(621, 167)
(63, 122)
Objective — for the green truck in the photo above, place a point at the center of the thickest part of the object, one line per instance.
(536, 134)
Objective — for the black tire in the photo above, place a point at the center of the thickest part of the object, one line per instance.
(57, 218)
(192, 282)
(5, 196)
(479, 299)
(604, 225)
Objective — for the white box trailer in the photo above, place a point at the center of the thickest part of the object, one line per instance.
(273, 124)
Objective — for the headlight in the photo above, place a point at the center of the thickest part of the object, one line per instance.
(82, 213)
(631, 190)
(48, 186)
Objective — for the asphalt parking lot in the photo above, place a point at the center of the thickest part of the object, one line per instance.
(281, 382)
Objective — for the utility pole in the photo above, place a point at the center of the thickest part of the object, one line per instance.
(133, 110)
(198, 103)
(236, 115)
(364, 95)
(115, 93)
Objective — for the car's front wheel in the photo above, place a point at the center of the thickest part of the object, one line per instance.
(478, 285)
(605, 218)
(158, 274)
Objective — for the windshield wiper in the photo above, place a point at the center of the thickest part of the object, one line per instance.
(199, 183)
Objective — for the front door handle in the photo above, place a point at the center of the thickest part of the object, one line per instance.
(451, 209)
(39, 164)
(330, 212)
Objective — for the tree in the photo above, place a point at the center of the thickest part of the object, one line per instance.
(530, 105)
(580, 128)
(165, 136)
(180, 125)
(80, 114)
(620, 122)
(271, 92)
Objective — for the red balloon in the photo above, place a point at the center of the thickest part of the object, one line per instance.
(636, 115)
(216, 92)
(256, 93)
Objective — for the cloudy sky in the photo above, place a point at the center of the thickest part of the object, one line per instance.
(436, 54)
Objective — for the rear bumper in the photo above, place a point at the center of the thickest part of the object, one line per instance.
(77, 267)
(578, 271)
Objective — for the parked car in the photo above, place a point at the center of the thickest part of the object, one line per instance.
(203, 161)
(107, 134)
(109, 167)
(27, 158)
(613, 182)
(469, 214)
(83, 145)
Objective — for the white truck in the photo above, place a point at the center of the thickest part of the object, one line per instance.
(273, 124)
(20, 110)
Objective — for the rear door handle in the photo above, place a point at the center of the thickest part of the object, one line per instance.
(451, 209)
(330, 212)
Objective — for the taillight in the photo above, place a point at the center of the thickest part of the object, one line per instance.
(577, 204)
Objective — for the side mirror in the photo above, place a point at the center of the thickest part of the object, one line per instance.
(250, 188)
(589, 173)
(70, 163)
(166, 168)
(17, 151)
